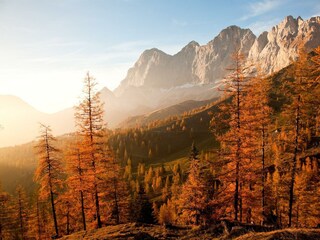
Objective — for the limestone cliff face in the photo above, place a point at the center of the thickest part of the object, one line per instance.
(155, 68)
(212, 59)
(275, 49)
(149, 67)
(196, 64)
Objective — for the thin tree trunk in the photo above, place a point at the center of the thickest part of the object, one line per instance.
(1, 231)
(82, 211)
(236, 194)
(116, 200)
(297, 224)
(93, 158)
(97, 207)
(38, 219)
(50, 185)
(240, 204)
(263, 203)
(20, 216)
(81, 192)
(240, 209)
(294, 160)
(54, 213)
(68, 223)
(96, 195)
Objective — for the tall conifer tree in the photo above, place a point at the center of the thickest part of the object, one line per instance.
(257, 124)
(300, 117)
(197, 192)
(49, 170)
(91, 129)
(5, 216)
(76, 180)
(21, 211)
(229, 129)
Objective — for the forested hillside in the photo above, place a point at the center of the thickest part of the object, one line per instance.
(250, 158)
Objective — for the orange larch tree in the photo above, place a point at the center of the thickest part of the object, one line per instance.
(68, 212)
(49, 172)
(299, 115)
(5, 216)
(91, 131)
(38, 226)
(197, 192)
(21, 212)
(117, 196)
(307, 207)
(76, 181)
(257, 119)
(228, 127)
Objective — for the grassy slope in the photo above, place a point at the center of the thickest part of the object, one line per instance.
(174, 110)
(169, 142)
(141, 231)
(148, 231)
(128, 231)
(17, 164)
(296, 234)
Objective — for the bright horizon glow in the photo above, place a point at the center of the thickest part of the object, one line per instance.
(48, 46)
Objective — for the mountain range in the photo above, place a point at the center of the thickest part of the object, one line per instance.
(196, 64)
(159, 80)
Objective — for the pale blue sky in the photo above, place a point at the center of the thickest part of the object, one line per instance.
(46, 46)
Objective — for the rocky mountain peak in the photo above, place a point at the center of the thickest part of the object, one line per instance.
(234, 29)
(191, 46)
(282, 42)
(153, 51)
(233, 33)
(261, 41)
(198, 64)
(152, 54)
(299, 19)
(139, 74)
(314, 19)
(212, 59)
(286, 29)
(290, 21)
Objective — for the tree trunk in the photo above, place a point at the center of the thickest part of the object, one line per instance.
(68, 223)
(38, 219)
(240, 204)
(81, 192)
(116, 201)
(50, 186)
(21, 217)
(294, 160)
(1, 231)
(54, 214)
(97, 207)
(263, 203)
(236, 193)
(82, 211)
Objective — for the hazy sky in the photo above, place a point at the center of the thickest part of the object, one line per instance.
(46, 46)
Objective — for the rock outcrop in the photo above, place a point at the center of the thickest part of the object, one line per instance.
(275, 50)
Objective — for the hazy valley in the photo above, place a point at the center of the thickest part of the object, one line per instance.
(158, 80)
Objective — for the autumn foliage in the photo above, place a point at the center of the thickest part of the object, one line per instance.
(264, 169)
